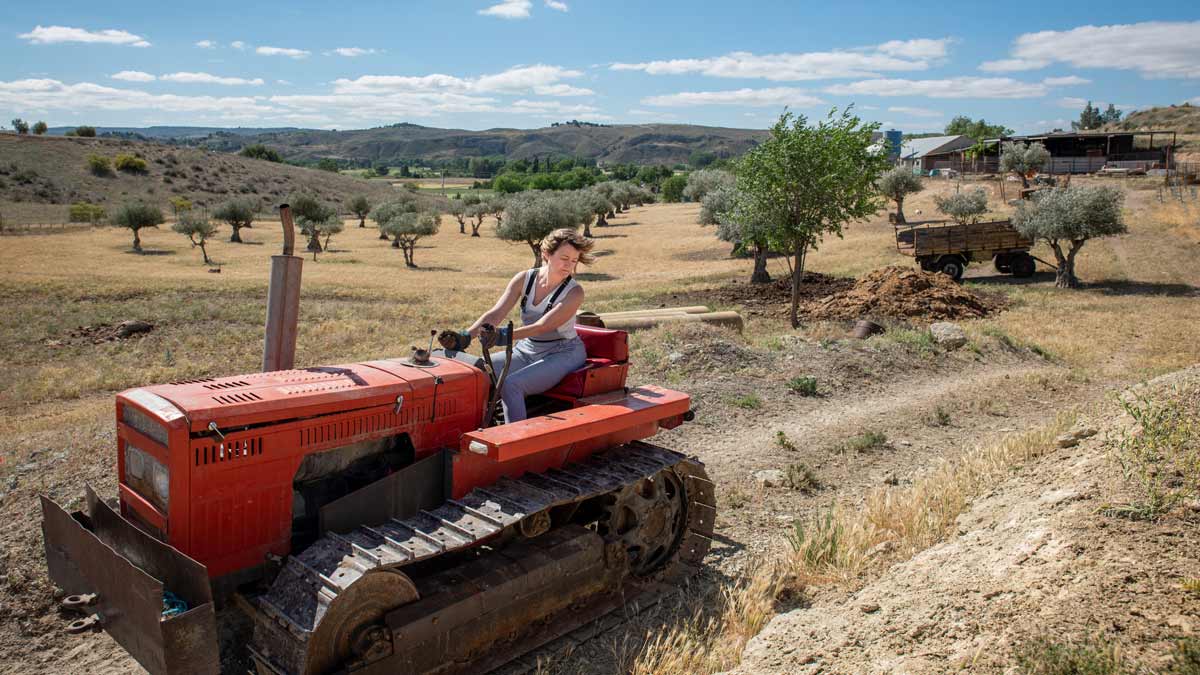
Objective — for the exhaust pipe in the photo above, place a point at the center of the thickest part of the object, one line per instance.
(283, 301)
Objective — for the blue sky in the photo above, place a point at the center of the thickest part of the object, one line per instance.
(526, 63)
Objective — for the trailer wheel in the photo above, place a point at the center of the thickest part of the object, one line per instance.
(950, 265)
(1023, 265)
(1003, 262)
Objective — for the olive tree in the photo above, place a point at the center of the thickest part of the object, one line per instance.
(458, 209)
(136, 216)
(966, 208)
(198, 229)
(532, 215)
(330, 228)
(495, 208)
(704, 181)
(809, 181)
(477, 212)
(361, 207)
(607, 189)
(1070, 217)
(313, 217)
(740, 224)
(403, 202)
(591, 206)
(238, 213)
(898, 184)
(1023, 159)
(406, 228)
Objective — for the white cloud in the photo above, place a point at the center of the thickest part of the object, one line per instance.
(352, 51)
(556, 107)
(1012, 65)
(1057, 123)
(50, 35)
(915, 112)
(539, 79)
(206, 78)
(1156, 49)
(777, 96)
(46, 94)
(283, 51)
(897, 55)
(509, 9)
(133, 76)
(283, 82)
(237, 44)
(555, 4)
(955, 87)
(1068, 81)
(206, 44)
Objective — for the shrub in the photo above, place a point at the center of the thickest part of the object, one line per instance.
(964, 207)
(99, 165)
(866, 441)
(805, 385)
(20, 126)
(747, 401)
(40, 127)
(85, 132)
(135, 216)
(260, 151)
(82, 212)
(801, 477)
(672, 189)
(130, 164)
(1044, 656)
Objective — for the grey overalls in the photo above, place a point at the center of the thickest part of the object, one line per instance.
(540, 362)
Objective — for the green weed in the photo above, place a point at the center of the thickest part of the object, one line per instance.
(1094, 656)
(801, 477)
(1159, 457)
(804, 385)
(866, 441)
(747, 401)
(784, 442)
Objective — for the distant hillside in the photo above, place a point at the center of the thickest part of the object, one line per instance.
(162, 133)
(54, 170)
(637, 143)
(1182, 118)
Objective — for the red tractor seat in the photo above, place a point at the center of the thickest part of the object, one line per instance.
(606, 367)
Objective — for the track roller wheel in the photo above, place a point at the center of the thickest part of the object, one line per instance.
(352, 628)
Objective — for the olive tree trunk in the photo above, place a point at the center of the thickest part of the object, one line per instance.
(462, 225)
(137, 241)
(900, 211)
(236, 236)
(204, 252)
(601, 221)
(799, 250)
(536, 246)
(1064, 276)
(362, 221)
(475, 225)
(760, 274)
(314, 241)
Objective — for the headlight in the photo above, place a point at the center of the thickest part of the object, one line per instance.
(147, 476)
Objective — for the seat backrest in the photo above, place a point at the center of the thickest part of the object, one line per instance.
(604, 343)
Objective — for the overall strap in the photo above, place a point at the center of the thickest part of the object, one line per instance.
(565, 282)
(531, 276)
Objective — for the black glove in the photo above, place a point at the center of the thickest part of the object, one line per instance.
(454, 340)
(491, 336)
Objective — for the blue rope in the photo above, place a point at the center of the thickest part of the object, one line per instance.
(173, 604)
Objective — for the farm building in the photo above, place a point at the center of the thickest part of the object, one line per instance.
(938, 152)
(1090, 151)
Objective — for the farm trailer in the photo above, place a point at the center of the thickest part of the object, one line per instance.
(948, 247)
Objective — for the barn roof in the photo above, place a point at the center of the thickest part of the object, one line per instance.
(920, 147)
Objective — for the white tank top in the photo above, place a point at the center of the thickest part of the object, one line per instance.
(531, 313)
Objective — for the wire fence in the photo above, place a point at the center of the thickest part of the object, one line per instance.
(18, 229)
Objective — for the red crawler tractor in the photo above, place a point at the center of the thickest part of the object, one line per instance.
(367, 518)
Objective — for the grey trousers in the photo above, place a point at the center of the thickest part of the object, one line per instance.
(536, 368)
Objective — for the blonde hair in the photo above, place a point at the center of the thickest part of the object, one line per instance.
(565, 235)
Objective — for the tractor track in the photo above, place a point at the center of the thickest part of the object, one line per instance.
(310, 582)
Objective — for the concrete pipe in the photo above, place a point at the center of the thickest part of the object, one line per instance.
(726, 319)
(694, 309)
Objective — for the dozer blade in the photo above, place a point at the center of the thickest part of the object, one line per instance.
(116, 574)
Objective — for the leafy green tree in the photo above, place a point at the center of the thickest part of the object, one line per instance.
(1090, 118)
(1023, 159)
(531, 216)
(361, 207)
(328, 164)
(99, 165)
(381, 169)
(198, 229)
(405, 226)
(1070, 217)
(130, 164)
(404, 202)
(977, 129)
(1110, 116)
(20, 126)
(700, 183)
(137, 216)
(260, 151)
(672, 188)
(699, 159)
(809, 181)
(85, 131)
(966, 207)
(238, 213)
(715, 203)
(507, 183)
(898, 184)
(40, 127)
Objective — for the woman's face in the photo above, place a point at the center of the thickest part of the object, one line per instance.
(563, 261)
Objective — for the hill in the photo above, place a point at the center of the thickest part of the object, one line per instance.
(166, 132)
(622, 143)
(38, 172)
(1182, 118)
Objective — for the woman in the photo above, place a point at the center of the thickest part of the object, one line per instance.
(546, 347)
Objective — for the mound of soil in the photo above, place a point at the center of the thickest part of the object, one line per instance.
(779, 292)
(903, 293)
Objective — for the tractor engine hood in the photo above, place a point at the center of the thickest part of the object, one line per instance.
(258, 398)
